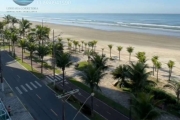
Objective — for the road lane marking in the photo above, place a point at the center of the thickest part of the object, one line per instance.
(97, 105)
(29, 87)
(38, 96)
(54, 112)
(18, 90)
(24, 88)
(109, 113)
(18, 76)
(38, 83)
(33, 85)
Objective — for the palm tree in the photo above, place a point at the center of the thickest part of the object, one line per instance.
(91, 44)
(138, 75)
(110, 48)
(130, 50)
(69, 45)
(175, 86)
(85, 44)
(94, 44)
(23, 44)
(42, 50)
(7, 35)
(68, 39)
(60, 39)
(14, 21)
(154, 61)
(79, 47)
(41, 33)
(141, 56)
(75, 44)
(119, 48)
(120, 73)
(102, 50)
(170, 65)
(158, 66)
(99, 61)
(14, 39)
(24, 25)
(63, 60)
(82, 45)
(31, 47)
(144, 107)
(7, 19)
(92, 76)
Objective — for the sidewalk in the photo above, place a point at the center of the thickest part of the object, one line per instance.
(18, 111)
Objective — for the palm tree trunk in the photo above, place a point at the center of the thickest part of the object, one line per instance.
(129, 57)
(153, 69)
(119, 55)
(31, 59)
(63, 69)
(92, 104)
(42, 65)
(22, 54)
(169, 74)
(110, 53)
(157, 75)
(14, 51)
(9, 46)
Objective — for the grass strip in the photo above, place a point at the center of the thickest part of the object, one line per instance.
(45, 65)
(101, 97)
(75, 103)
(28, 67)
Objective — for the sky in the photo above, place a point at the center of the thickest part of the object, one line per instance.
(99, 6)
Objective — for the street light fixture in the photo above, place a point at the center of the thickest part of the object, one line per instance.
(92, 94)
(67, 94)
(54, 57)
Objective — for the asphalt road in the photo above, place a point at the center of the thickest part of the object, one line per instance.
(40, 101)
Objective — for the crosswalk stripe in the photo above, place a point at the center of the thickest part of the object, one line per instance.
(38, 84)
(49, 78)
(57, 77)
(60, 77)
(29, 87)
(18, 90)
(24, 88)
(33, 85)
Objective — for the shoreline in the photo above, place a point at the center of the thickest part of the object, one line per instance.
(124, 37)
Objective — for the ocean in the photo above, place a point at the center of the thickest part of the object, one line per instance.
(160, 24)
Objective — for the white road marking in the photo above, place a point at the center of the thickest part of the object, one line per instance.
(18, 76)
(38, 83)
(54, 112)
(18, 90)
(24, 88)
(33, 85)
(97, 105)
(49, 78)
(29, 87)
(38, 96)
(109, 113)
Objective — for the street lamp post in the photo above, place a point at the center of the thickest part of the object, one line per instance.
(92, 94)
(1, 77)
(62, 96)
(54, 67)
